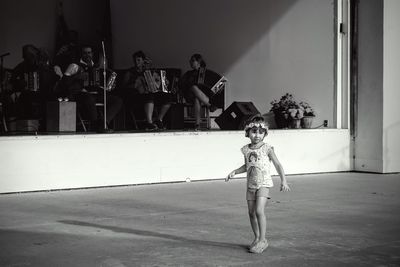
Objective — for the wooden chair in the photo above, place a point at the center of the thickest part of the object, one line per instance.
(189, 118)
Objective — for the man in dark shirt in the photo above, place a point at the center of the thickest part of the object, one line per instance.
(34, 80)
(79, 83)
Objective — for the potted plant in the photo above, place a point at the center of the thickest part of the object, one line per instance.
(281, 110)
(291, 114)
(308, 115)
(296, 113)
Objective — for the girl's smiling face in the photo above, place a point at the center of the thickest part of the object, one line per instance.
(256, 135)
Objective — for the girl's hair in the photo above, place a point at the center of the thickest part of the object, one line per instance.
(200, 59)
(257, 121)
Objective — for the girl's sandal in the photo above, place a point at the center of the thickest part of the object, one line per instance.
(260, 247)
(254, 248)
(252, 245)
(265, 246)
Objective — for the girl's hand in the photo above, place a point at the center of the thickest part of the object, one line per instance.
(230, 176)
(285, 187)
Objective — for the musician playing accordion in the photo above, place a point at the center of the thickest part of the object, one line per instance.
(143, 86)
(82, 83)
(201, 86)
(33, 80)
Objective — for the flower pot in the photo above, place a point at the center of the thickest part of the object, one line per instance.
(295, 123)
(281, 120)
(306, 122)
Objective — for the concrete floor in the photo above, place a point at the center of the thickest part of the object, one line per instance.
(338, 219)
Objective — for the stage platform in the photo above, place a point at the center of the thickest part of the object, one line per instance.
(337, 219)
(52, 162)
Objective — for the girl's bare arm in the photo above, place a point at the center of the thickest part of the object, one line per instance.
(239, 170)
(278, 166)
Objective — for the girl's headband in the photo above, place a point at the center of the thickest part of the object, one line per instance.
(261, 125)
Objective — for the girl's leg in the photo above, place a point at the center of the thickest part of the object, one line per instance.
(261, 218)
(251, 204)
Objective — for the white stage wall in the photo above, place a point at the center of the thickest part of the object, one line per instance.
(30, 163)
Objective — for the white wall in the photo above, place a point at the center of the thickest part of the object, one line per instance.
(74, 161)
(377, 145)
(391, 86)
(265, 48)
(368, 145)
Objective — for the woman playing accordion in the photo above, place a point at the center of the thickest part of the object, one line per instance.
(143, 86)
(202, 86)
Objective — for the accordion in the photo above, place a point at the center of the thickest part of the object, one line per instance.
(6, 76)
(210, 80)
(156, 81)
(93, 78)
(32, 81)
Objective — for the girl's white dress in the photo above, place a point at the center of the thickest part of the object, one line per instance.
(258, 166)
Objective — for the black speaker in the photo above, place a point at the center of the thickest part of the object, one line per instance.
(236, 115)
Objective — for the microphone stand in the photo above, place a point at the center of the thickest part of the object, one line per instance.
(2, 88)
(104, 87)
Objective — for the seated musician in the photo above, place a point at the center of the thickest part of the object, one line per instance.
(79, 84)
(33, 80)
(194, 90)
(138, 91)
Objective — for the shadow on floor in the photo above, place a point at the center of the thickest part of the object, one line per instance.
(147, 233)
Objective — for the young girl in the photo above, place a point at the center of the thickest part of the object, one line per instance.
(257, 157)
